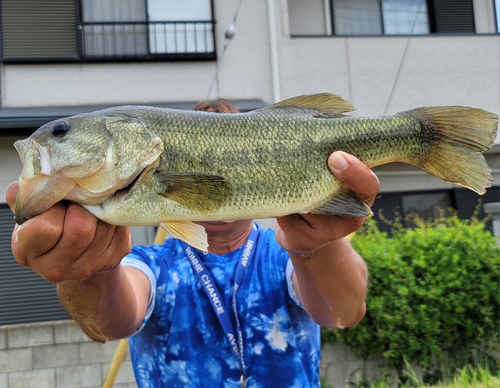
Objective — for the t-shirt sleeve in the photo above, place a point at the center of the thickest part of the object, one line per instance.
(289, 281)
(144, 259)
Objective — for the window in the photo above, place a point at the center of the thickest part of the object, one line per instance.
(428, 206)
(116, 29)
(497, 14)
(405, 17)
(357, 17)
(384, 17)
(90, 30)
(170, 33)
(308, 17)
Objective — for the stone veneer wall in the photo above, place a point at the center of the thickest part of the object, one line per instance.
(57, 355)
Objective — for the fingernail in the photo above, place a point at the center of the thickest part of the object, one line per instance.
(338, 163)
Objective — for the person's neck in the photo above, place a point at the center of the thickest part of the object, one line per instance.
(226, 237)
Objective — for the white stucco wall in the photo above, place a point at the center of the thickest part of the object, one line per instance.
(435, 71)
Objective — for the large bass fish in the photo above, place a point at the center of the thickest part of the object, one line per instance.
(137, 165)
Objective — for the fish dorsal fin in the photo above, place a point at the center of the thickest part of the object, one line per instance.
(189, 232)
(344, 203)
(198, 191)
(323, 103)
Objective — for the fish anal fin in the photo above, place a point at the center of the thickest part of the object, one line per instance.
(344, 203)
(189, 232)
(198, 191)
(325, 103)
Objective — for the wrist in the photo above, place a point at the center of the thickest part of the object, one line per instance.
(99, 279)
(308, 253)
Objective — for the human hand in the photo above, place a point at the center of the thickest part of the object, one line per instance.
(305, 234)
(67, 242)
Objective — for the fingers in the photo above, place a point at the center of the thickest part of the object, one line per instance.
(355, 174)
(110, 245)
(69, 243)
(38, 235)
(305, 234)
(330, 228)
(10, 195)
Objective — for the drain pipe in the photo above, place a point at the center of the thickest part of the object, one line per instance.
(273, 44)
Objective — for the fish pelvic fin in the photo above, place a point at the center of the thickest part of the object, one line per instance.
(344, 203)
(323, 103)
(461, 134)
(189, 232)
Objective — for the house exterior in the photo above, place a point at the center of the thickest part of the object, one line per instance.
(62, 57)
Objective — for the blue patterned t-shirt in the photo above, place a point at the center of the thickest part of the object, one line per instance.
(181, 342)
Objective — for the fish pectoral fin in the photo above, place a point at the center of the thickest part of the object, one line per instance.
(198, 191)
(326, 104)
(344, 203)
(189, 232)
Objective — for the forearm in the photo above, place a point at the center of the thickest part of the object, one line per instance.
(105, 305)
(332, 284)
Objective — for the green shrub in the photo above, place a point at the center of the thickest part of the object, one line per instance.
(433, 290)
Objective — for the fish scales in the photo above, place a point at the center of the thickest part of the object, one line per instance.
(145, 166)
(276, 163)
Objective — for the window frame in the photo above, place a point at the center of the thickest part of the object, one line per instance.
(430, 16)
(81, 58)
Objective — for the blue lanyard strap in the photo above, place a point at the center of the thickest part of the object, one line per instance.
(215, 298)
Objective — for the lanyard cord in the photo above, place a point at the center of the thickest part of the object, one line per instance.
(216, 300)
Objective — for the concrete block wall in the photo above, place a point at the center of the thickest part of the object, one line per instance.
(57, 355)
(60, 355)
(340, 367)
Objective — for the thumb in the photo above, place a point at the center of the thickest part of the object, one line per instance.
(355, 174)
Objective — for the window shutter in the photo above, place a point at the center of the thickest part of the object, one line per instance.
(454, 16)
(24, 296)
(39, 29)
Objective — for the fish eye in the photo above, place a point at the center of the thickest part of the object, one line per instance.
(60, 128)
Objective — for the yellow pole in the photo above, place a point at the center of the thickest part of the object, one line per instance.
(161, 234)
(115, 365)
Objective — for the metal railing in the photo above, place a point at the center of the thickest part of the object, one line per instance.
(187, 39)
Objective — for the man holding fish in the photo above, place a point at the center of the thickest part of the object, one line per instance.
(243, 312)
(81, 254)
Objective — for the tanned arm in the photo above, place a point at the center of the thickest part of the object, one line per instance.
(80, 254)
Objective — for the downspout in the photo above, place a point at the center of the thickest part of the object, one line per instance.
(273, 44)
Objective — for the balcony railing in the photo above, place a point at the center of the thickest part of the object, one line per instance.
(189, 39)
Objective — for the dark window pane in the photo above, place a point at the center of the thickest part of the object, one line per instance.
(455, 16)
(427, 206)
(405, 17)
(356, 17)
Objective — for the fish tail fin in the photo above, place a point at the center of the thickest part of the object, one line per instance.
(461, 134)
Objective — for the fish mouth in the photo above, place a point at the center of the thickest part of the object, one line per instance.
(39, 194)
